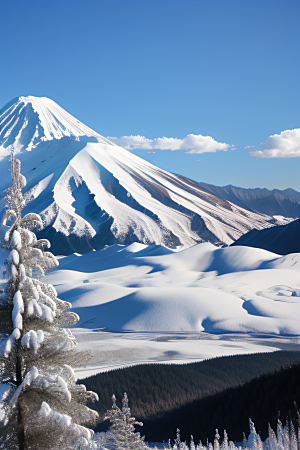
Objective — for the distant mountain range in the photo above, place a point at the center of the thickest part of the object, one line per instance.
(91, 192)
(273, 203)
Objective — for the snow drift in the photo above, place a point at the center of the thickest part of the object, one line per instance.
(203, 288)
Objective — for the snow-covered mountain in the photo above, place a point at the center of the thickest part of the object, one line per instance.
(93, 193)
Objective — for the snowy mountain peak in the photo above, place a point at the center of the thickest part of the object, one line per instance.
(26, 121)
(91, 192)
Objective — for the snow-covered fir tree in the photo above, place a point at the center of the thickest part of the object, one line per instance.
(122, 434)
(43, 408)
(286, 438)
(178, 445)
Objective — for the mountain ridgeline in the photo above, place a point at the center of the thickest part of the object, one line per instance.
(92, 193)
(273, 203)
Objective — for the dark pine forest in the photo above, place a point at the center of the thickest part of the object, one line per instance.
(220, 393)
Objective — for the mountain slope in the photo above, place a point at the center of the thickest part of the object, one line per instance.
(282, 240)
(92, 193)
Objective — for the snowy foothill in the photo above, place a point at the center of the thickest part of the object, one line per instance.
(201, 289)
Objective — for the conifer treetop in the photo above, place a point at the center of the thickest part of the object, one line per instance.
(44, 408)
(122, 434)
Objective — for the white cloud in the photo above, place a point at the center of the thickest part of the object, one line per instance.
(192, 143)
(249, 146)
(284, 145)
(132, 142)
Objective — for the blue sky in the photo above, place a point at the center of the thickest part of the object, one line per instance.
(166, 68)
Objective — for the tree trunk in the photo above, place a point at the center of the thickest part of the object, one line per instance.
(18, 370)
(21, 427)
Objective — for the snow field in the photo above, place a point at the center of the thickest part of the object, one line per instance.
(118, 350)
(201, 289)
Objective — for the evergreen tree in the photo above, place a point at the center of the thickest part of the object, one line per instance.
(121, 434)
(178, 444)
(192, 443)
(43, 408)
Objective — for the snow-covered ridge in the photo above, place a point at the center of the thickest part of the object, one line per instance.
(26, 121)
(94, 193)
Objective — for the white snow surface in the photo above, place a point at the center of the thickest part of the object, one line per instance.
(141, 288)
(281, 220)
(117, 350)
(26, 121)
(81, 182)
